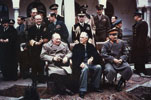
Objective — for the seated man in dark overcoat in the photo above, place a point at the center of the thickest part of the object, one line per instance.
(85, 57)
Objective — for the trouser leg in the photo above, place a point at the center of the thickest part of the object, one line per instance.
(110, 72)
(96, 75)
(83, 79)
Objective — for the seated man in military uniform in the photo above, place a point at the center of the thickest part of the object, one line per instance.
(115, 56)
(58, 54)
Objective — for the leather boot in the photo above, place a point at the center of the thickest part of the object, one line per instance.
(119, 86)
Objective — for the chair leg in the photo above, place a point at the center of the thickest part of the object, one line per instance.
(103, 78)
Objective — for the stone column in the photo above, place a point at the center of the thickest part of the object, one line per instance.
(69, 15)
(59, 2)
(148, 20)
(16, 14)
(16, 10)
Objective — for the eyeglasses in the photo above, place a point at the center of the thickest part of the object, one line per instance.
(114, 34)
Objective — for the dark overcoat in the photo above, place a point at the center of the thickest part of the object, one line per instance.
(139, 44)
(102, 26)
(8, 52)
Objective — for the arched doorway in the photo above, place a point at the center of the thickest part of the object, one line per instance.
(109, 11)
(38, 5)
(4, 11)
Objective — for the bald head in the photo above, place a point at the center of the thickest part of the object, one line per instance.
(38, 19)
(56, 39)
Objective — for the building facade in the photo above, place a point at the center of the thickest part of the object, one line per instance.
(124, 9)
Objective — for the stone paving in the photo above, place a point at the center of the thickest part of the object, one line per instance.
(26, 82)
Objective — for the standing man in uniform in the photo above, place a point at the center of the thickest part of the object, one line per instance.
(54, 8)
(118, 26)
(57, 26)
(37, 37)
(31, 20)
(115, 56)
(89, 20)
(139, 45)
(102, 24)
(81, 26)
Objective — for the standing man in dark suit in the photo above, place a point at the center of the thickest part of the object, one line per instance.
(81, 26)
(54, 8)
(8, 51)
(23, 52)
(139, 45)
(37, 37)
(57, 26)
(102, 24)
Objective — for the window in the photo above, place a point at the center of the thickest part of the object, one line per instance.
(4, 13)
(37, 5)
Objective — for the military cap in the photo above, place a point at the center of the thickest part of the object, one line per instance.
(5, 21)
(99, 7)
(11, 21)
(117, 22)
(138, 14)
(41, 11)
(85, 6)
(82, 13)
(34, 10)
(115, 17)
(53, 7)
(113, 31)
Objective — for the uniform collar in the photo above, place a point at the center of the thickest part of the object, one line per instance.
(117, 41)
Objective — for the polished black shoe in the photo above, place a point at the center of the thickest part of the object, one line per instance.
(81, 94)
(69, 92)
(119, 86)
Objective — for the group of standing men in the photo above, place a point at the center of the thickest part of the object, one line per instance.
(30, 41)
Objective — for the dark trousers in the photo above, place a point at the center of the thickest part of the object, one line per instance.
(61, 82)
(24, 64)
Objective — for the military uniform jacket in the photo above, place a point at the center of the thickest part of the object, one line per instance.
(102, 26)
(29, 22)
(36, 34)
(111, 50)
(77, 29)
(116, 50)
(139, 45)
(60, 28)
(49, 51)
(60, 18)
